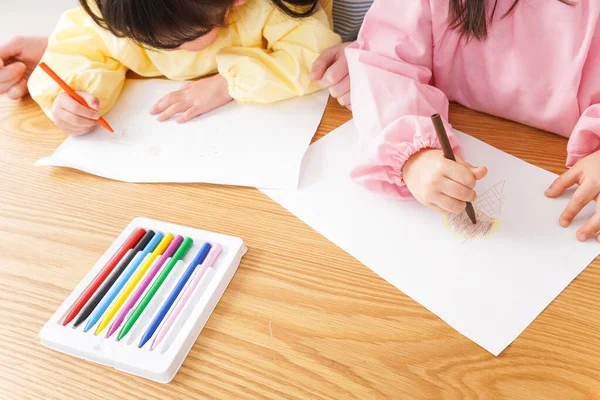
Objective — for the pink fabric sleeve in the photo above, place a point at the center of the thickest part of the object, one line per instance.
(392, 100)
(585, 138)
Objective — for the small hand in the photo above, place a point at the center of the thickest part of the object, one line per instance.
(18, 58)
(586, 173)
(330, 70)
(71, 117)
(439, 183)
(193, 99)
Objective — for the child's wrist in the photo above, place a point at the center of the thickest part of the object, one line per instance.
(415, 157)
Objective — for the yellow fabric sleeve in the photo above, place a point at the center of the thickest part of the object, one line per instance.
(281, 70)
(78, 52)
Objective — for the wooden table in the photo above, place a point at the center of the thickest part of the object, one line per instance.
(301, 318)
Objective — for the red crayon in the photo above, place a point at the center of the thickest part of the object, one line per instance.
(128, 245)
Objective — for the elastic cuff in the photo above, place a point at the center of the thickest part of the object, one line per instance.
(397, 154)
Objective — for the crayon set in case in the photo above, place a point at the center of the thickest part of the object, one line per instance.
(144, 303)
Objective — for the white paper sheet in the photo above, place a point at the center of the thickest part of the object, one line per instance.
(237, 144)
(489, 289)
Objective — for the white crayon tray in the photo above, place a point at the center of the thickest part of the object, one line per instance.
(162, 363)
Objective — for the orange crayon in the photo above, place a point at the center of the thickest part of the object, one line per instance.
(72, 93)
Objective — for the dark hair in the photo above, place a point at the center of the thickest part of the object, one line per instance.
(167, 24)
(469, 17)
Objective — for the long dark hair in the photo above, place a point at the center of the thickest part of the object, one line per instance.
(469, 17)
(167, 24)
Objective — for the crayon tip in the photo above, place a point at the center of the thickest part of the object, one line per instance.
(471, 213)
(103, 324)
(143, 341)
(110, 332)
(88, 327)
(123, 332)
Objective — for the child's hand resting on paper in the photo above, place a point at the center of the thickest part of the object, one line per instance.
(193, 99)
(441, 184)
(586, 173)
(71, 117)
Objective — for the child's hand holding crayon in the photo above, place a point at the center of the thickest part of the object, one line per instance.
(193, 99)
(73, 118)
(586, 173)
(439, 183)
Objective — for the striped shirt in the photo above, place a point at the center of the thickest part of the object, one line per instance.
(348, 16)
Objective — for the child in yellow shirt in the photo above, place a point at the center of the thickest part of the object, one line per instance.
(258, 50)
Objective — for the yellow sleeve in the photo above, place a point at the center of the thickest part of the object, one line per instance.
(79, 53)
(280, 70)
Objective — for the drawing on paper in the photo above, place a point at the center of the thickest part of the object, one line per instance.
(129, 129)
(487, 210)
(152, 150)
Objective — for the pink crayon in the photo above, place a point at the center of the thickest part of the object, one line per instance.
(185, 296)
(144, 284)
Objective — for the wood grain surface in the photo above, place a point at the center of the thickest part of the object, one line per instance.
(301, 319)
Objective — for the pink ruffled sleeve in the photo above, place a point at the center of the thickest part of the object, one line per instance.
(585, 138)
(392, 97)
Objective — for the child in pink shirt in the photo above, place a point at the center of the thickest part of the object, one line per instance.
(536, 62)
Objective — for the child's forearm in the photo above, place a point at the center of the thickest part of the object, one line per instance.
(77, 53)
(392, 101)
(105, 85)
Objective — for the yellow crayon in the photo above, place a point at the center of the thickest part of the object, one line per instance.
(162, 246)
